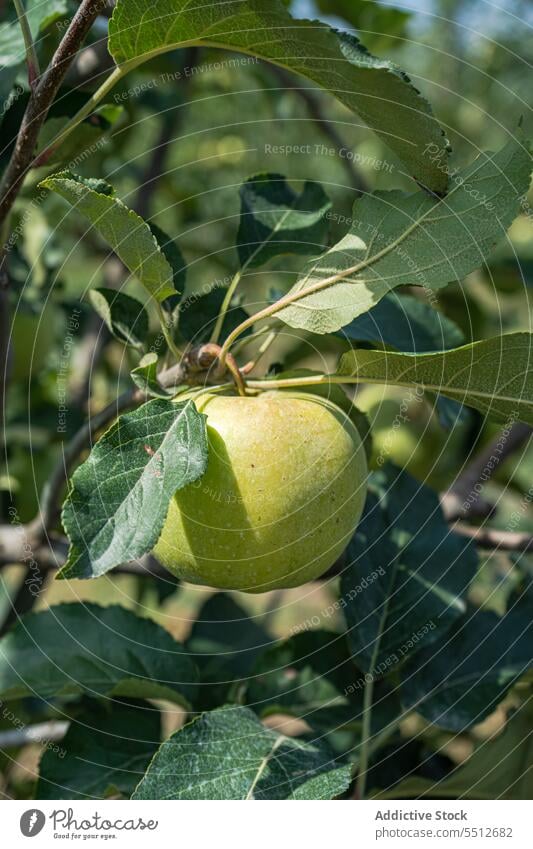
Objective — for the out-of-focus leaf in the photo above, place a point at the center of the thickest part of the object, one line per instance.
(224, 643)
(404, 323)
(198, 314)
(97, 651)
(87, 138)
(499, 768)
(107, 748)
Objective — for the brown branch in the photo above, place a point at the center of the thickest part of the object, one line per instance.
(494, 539)
(43, 732)
(20, 545)
(41, 100)
(5, 330)
(463, 498)
(329, 130)
(24, 599)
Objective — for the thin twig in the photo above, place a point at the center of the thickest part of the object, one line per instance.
(31, 586)
(5, 330)
(463, 498)
(494, 539)
(41, 100)
(43, 732)
(31, 55)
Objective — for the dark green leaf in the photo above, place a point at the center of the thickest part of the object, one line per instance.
(84, 140)
(119, 497)
(106, 749)
(493, 376)
(144, 376)
(175, 259)
(125, 317)
(224, 642)
(335, 61)
(276, 220)
(405, 323)
(127, 234)
(408, 573)
(451, 413)
(199, 314)
(98, 651)
(461, 681)
(416, 240)
(228, 754)
(307, 676)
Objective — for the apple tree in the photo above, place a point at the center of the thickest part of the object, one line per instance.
(231, 380)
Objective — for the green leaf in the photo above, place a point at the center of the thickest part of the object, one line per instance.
(228, 754)
(499, 768)
(312, 676)
(404, 323)
(124, 316)
(107, 748)
(416, 240)
(198, 314)
(40, 15)
(377, 23)
(335, 61)
(175, 259)
(460, 682)
(84, 140)
(119, 497)
(144, 377)
(98, 651)
(127, 234)
(276, 220)
(224, 642)
(408, 574)
(493, 376)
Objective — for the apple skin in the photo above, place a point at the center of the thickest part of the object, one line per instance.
(284, 490)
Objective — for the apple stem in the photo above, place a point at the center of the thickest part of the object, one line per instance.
(207, 357)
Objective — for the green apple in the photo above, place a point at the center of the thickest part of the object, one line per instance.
(406, 432)
(283, 492)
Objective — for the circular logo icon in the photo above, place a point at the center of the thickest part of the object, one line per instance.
(32, 822)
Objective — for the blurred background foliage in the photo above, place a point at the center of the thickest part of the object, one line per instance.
(185, 131)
